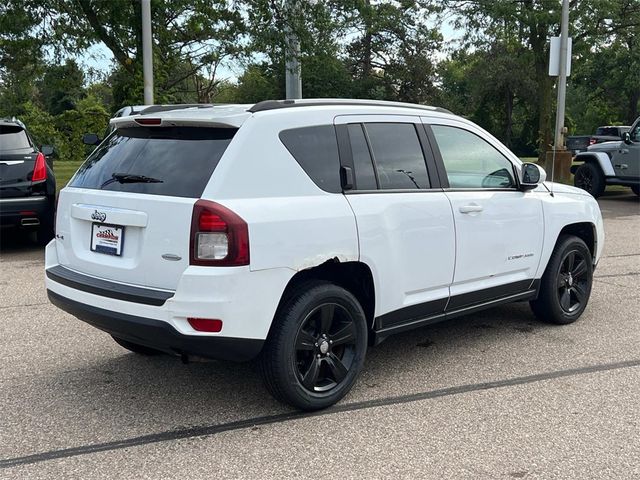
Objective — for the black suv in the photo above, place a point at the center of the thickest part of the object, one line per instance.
(27, 183)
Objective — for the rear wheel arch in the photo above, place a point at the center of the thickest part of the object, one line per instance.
(355, 277)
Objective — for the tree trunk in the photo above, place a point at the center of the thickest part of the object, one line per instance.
(508, 131)
(632, 111)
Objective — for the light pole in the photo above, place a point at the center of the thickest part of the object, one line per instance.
(147, 54)
(558, 143)
(558, 159)
(293, 78)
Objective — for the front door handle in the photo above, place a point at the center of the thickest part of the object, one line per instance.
(471, 208)
(624, 151)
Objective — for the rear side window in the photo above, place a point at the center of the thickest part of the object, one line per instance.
(609, 131)
(397, 155)
(174, 161)
(365, 175)
(13, 139)
(316, 150)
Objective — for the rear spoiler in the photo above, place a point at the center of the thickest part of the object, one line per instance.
(227, 121)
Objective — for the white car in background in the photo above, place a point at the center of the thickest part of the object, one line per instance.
(302, 232)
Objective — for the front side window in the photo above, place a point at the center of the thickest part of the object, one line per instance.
(397, 155)
(470, 161)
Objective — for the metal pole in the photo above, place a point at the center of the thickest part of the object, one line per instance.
(562, 77)
(293, 77)
(147, 54)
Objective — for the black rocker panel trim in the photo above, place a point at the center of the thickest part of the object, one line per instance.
(427, 313)
(487, 294)
(158, 334)
(106, 288)
(411, 313)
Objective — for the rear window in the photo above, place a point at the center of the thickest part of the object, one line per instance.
(608, 131)
(316, 150)
(174, 161)
(14, 139)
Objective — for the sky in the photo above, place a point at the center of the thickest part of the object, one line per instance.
(99, 57)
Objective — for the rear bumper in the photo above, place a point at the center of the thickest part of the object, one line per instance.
(245, 300)
(14, 210)
(158, 334)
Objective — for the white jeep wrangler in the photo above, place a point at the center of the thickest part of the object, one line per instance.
(301, 232)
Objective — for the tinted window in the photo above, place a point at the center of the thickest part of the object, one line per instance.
(470, 161)
(365, 176)
(316, 150)
(182, 159)
(397, 155)
(611, 131)
(14, 139)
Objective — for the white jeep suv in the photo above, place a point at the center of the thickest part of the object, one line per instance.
(302, 232)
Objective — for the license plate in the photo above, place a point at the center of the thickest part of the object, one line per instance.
(107, 239)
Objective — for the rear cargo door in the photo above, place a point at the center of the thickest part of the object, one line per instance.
(126, 214)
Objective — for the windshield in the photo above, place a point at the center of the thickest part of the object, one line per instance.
(174, 161)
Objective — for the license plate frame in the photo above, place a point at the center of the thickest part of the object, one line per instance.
(111, 240)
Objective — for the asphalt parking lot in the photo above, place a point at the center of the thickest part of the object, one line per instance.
(493, 395)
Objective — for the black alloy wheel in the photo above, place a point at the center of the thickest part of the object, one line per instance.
(325, 347)
(572, 281)
(316, 347)
(588, 177)
(565, 286)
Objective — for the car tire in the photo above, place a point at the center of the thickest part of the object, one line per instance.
(565, 286)
(316, 347)
(589, 177)
(135, 348)
(636, 189)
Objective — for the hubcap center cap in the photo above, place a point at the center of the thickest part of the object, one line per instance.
(570, 281)
(324, 347)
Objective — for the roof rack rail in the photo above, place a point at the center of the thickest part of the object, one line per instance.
(267, 105)
(168, 108)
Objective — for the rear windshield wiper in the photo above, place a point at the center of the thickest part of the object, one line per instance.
(130, 178)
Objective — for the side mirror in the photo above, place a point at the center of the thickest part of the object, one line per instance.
(626, 138)
(532, 176)
(90, 139)
(47, 150)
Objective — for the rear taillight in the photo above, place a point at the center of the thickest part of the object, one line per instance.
(219, 237)
(592, 141)
(40, 169)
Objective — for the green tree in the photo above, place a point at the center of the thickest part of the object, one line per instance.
(62, 86)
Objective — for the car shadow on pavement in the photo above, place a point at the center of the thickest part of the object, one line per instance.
(133, 395)
(14, 240)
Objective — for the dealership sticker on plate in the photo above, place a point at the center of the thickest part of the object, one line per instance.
(107, 238)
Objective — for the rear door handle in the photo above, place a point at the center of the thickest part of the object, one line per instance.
(472, 208)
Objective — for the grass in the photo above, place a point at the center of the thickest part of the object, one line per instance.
(63, 172)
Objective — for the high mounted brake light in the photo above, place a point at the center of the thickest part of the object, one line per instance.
(148, 121)
(219, 237)
(40, 169)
